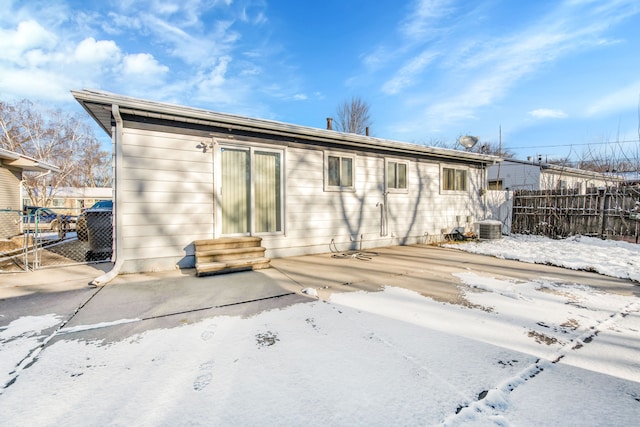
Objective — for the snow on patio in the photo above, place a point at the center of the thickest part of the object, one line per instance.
(608, 257)
(525, 353)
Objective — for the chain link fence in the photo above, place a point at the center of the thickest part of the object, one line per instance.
(45, 237)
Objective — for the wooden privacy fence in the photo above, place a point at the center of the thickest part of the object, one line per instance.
(610, 213)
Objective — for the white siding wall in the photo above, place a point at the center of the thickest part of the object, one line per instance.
(516, 176)
(9, 200)
(550, 180)
(519, 176)
(165, 201)
(352, 219)
(500, 208)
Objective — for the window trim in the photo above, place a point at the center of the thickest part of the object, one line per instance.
(389, 161)
(454, 191)
(341, 156)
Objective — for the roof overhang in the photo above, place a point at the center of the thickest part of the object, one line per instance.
(565, 170)
(25, 163)
(99, 105)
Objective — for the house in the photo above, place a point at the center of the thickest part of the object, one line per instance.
(512, 174)
(183, 174)
(71, 200)
(12, 165)
(629, 178)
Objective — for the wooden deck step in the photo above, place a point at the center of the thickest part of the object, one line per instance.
(229, 254)
(231, 266)
(227, 243)
(213, 255)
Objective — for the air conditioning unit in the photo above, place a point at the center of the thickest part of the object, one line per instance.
(489, 230)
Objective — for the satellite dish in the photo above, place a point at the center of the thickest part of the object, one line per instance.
(468, 141)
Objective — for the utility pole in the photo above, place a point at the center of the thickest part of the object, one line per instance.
(499, 155)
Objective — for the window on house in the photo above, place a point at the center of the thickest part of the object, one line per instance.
(454, 179)
(495, 184)
(592, 190)
(339, 172)
(397, 175)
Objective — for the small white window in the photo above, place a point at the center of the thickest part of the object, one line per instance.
(454, 179)
(397, 178)
(339, 172)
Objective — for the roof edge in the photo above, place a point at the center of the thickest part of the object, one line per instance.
(27, 163)
(89, 97)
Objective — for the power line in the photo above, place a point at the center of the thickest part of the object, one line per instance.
(579, 144)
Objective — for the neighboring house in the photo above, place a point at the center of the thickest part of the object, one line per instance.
(12, 165)
(71, 200)
(512, 174)
(184, 174)
(629, 178)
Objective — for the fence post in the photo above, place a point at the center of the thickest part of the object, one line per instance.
(604, 207)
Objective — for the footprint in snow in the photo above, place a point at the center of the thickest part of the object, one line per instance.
(205, 375)
(208, 333)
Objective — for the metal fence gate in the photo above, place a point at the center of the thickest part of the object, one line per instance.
(47, 237)
(610, 213)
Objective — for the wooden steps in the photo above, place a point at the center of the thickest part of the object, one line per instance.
(229, 254)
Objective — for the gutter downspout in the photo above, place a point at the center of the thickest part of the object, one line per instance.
(117, 153)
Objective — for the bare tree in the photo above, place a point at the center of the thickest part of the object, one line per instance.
(482, 147)
(57, 138)
(353, 116)
(493, 149)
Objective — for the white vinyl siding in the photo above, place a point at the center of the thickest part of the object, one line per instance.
(319, 221)
(171, 193)
(10, 201)
(164, 200)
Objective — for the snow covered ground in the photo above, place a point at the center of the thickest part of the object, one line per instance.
(521, 353)
(608, 257)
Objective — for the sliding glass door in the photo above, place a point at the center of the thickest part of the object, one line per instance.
(251, 191)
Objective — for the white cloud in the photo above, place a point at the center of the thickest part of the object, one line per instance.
(143, 65)
(377, 58)
(482, 71)
(35, 84)
(27, 36)
(548, 113)
(424, 18)
(31, 34)
(623, 99)
(408, 73)
(181, 31)
(91, 51)
(215, 79)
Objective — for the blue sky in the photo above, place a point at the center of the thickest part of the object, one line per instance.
(559, 78)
